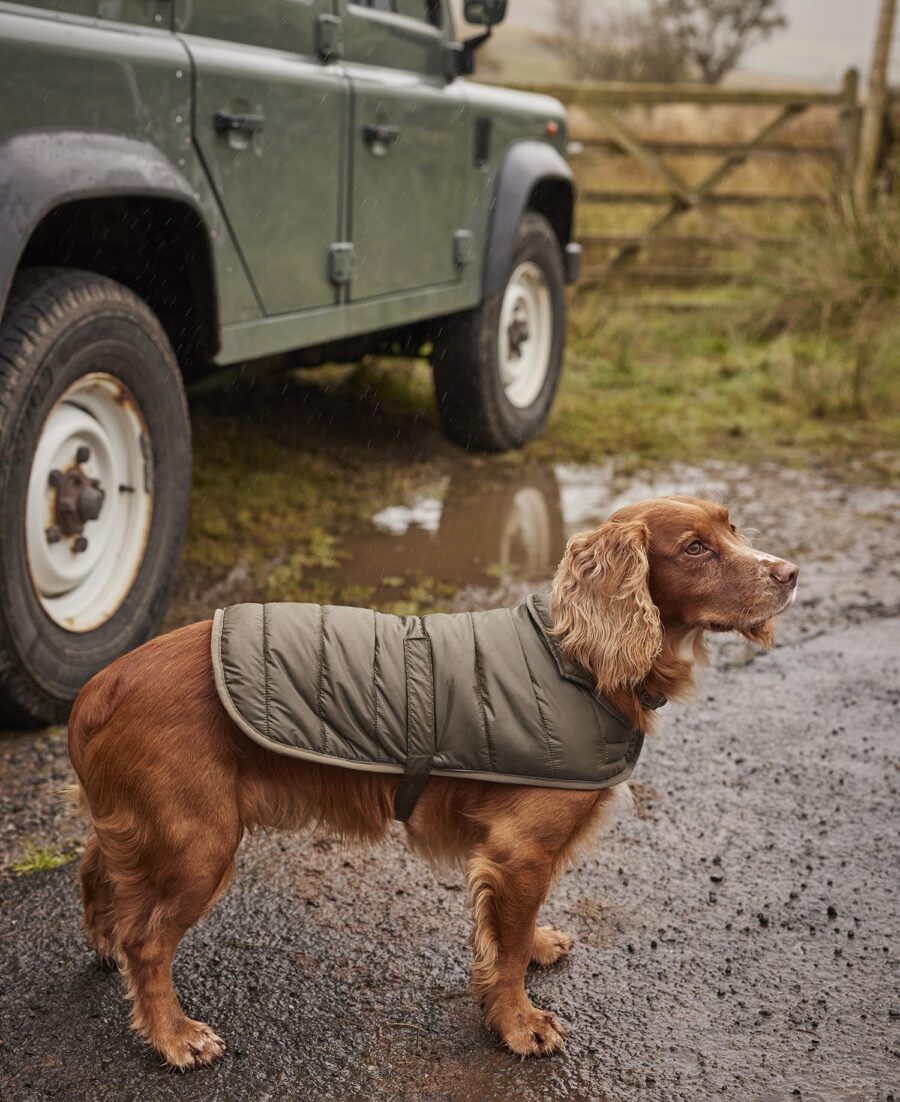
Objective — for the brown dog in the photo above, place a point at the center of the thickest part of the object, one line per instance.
(171, 784)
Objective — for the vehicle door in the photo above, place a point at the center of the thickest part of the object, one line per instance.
(406, 146)
(270, 119)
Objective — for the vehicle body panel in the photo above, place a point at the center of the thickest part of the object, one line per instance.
(122, 88)
(405, 206)
(139, 91)
(389, 41)
(142, 13)
(282, 187)
(514, 117)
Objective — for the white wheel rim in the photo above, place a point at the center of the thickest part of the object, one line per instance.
(81, 587)
(526, 335)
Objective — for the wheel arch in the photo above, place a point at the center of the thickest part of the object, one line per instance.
(533, 175)
(116, 206)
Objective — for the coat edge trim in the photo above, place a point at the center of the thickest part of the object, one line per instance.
(276, 747)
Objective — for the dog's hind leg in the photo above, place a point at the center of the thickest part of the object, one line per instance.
(162, 884)
(507, 888)
(97, 900)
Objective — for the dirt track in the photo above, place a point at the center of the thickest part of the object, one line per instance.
(736, 938)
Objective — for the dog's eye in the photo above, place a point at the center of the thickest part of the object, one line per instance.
(695, 547)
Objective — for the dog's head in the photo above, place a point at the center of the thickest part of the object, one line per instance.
(669, 567)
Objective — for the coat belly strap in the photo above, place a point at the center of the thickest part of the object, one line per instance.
(420, 722)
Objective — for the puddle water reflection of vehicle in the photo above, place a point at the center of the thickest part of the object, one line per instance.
(465, 531)
(473, 529)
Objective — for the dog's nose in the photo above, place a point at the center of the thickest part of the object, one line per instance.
(786, 573)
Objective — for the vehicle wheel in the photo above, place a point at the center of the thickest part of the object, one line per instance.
(94, 480)
(497, 367)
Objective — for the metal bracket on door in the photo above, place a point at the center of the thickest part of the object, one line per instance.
(329, 37)
(463, 248)
(341, 262)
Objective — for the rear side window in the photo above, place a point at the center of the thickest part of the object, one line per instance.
(427, 11)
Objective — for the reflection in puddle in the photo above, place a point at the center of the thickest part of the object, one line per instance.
(477, 529)
(469, 529)
(422, 512)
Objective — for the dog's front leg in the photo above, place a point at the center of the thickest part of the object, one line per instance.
(507, 885)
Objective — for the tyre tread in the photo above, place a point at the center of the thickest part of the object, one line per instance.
(464, 388)
(40, 300)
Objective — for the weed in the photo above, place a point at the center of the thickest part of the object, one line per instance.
(837, 289)
(42, 859)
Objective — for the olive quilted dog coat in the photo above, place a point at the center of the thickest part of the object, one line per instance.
(484, 695)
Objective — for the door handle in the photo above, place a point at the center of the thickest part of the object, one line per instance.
(380, 135)
(228, 122)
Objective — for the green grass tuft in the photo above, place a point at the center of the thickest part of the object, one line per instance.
(42, 859)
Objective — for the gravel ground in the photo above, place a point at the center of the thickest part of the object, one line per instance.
(736, 937)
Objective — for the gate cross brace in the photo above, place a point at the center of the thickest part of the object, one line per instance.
(685, 196)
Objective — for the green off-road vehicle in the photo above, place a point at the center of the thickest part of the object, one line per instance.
(186, 184)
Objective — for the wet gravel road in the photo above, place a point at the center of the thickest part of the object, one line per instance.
(736, 937)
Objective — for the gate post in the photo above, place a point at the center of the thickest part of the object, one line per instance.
(876, 103)
(847, 141)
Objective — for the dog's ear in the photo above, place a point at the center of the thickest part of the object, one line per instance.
(604, 617)
(763, 635)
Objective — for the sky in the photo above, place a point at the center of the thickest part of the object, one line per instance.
(823, 37)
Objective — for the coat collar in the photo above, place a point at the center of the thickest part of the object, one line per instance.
(540, 614)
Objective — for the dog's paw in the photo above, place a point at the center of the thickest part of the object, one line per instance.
(100, 940)
(534, 1033)
(193, 1046)
(549, 946)
(106, 962)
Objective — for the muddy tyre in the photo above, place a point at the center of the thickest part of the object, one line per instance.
(497, 368)
(94, 481)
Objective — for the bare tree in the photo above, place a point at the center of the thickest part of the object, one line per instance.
(668, 40)
(715, 34)
(616, 46)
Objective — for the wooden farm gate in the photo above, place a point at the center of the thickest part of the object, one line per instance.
(597, 126)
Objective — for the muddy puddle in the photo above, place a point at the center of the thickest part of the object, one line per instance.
(479, 540)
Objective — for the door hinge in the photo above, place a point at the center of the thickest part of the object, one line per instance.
(329, 37)
(341, 262)
(463, 248)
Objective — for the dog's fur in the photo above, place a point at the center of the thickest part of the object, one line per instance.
(171, 785)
